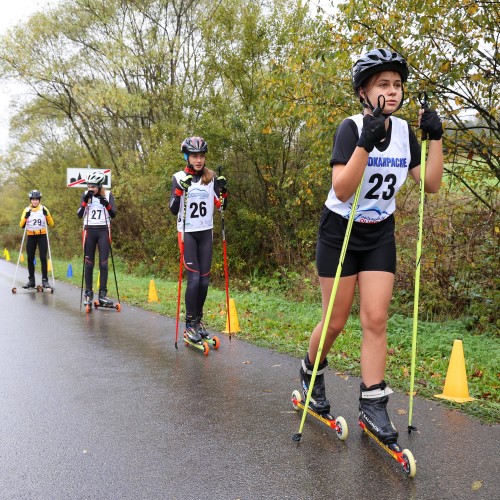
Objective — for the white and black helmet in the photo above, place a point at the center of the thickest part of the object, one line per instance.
(96, 177)
(376, 61)
(35, 194)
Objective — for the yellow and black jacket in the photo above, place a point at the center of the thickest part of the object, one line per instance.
(37, 222)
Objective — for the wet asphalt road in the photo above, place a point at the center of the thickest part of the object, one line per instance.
(102, 406)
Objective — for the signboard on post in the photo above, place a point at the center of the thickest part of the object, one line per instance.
(77, 177)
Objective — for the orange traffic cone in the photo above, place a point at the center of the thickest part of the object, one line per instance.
(455, 385)
(232, 318)
(153, 295)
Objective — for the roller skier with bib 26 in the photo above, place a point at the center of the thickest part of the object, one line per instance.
(97, 208)
(196, 193)
(373, 152)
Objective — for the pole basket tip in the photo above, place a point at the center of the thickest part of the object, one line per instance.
(176, 346)
(411, 428)
(297, 437)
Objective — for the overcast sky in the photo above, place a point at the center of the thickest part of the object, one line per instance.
(12, 13)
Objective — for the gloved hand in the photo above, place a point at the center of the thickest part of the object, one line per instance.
(27, 214)
(222, 183)
(103, 201)
(431, 123)
(373, 132)
(88, 195)
(44, 210)
(186, 181)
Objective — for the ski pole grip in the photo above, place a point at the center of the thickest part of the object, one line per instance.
(424, 104)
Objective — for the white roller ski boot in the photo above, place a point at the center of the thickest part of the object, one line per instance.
(318, 401)
(373, 412)
(103, 300)
(87, 300)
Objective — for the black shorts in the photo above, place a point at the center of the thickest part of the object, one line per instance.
(382, 258)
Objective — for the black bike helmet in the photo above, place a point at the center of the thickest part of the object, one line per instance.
(194, 145)
(376, 61)
(35, 194)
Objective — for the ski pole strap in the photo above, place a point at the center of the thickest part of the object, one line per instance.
(376, 393)
(310, 372)
(424, 104)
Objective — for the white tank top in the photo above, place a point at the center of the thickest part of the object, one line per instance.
(36, 221)
(96, 214)
(200, 206)
(385, 173)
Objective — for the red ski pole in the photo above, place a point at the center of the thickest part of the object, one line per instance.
(181, 265)
(226, 272)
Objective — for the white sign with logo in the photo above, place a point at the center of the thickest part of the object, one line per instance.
(77, 177)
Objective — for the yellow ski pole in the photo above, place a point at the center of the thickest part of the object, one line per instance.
(424, 104)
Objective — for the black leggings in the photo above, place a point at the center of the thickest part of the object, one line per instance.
(96, 237)
(197, 261)
(31, 244)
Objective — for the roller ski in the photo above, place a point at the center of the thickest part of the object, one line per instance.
(30, 286)
(375, 422)
(319, 406)
(105, 302)
(192, 336)
(205, 335)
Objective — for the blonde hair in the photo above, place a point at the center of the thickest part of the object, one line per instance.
(207, 176)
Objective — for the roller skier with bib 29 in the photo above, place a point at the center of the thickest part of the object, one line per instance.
(196, 193)
(373, 152)
(97, 208)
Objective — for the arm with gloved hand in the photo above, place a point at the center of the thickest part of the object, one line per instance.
(346, 178)
(221, 192)
(109, 205)
(178, 189)
(431, 124)
(86, 197)
(48, 216)
(25, 216)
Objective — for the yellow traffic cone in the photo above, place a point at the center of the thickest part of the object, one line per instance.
(7, 255)
(232, 318)
(153, 295)
(455, 385)
(49, 265)
(21, 258)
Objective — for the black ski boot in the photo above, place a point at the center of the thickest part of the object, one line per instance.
(191, 329)
(103, 300)
(45, 283)
(373, 412)
(30, 284)
(318, 401)
(201, 327)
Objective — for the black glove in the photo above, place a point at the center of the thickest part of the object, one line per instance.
(222, 183)
(27, 214)
(431, 123)
(44, 210)
(87, 196)
(185, 182)
(103, 201)
(373, 131)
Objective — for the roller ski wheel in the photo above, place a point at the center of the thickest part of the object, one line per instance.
(201, 345)
(213, 341)
(403, 457)
(14, 290)
(116, 306)
(339, 424)
(88, 308)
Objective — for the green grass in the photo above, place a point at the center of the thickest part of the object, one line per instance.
(285, 326)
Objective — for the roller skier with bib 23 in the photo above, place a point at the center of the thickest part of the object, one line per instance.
(373, 152)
